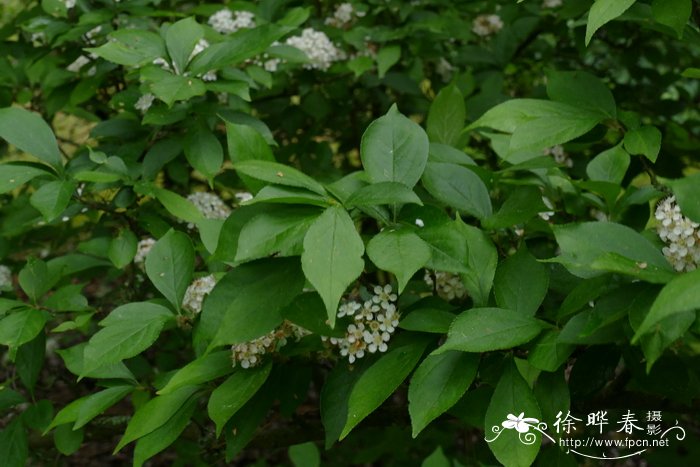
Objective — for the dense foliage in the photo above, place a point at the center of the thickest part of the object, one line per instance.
(285, 232)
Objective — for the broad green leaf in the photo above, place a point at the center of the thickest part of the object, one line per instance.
(458, 187)
(278, 174)
(439, 152)
(180, 207)
(279, 232)
(180, 39)
(546, 132)
(380, 380)
(427, 320)
(15, 175)
(14, 444)
(21, 326)
(604, 11)
(122, 248)
(394, 149)
(438, 383)
(244, 424)
(686, 191)
(332, 257)
(678, 296)
(521, 206)
(446, 117)
(74, 359)
(552, 393)
(482, 260)
(512, 396)
(173, 88)
(288, 195)
(583, 90)
(127, 331)
(131, 47)
(35, 278)
(30, 360)
(305, 455)
(308, 311)
(672, 13)
(233, 394)
(437, 459)
(53, 198)
(645, 140)
(386, 58)
(246, 303)
(10, 398)
(609, 166)
(170, 265)
(335, 395)
(487, 329)
(154, 414)
(201, 370)
(66, 440)
(448, 247)
(247, 143)
(165, 435)
(31, 134)
(95, 404)
(383, 193)
(401, 252)
(581, 244)
(521, 283)
(548, 353)
(204, 152)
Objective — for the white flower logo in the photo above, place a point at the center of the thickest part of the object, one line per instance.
(520, 423)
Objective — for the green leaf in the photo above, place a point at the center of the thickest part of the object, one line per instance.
(35, 279)
(386, 58)
(10, 398)
(482, 260)
(172, 88)
(95, 404)
(30, 360)
(401, 252)
(180, 39)
(278, 174)
(204, 152)
(521, 283)
(332, 257)
(437, 459)
(487, 329)
(21, 327)
(582, 244)
(335, 395)
(438, 383)
(583, 90)
(288, 195)
(74, 359)
(170, 265)
(154, 414)
(427, 320)
(672, 13)
(53, 198)
(247, 143)
(448, 247)
(66, 440)
(246, 303)
(394, 149)
(447, 115)
(180, 207)
(201, 370)
(279, 232)
(31, 134)
(128, 330)
(443, 153)
(609, 166)
(15, 175)
(521, 206)
(380, 380)
(122, 248)
(165, 435)
(232, 394)
(548, 354)
(686, 192)
(512, 396)
(645, 140)
(604, 11)
(458, 187)
(305, 455)
(678, 296)
(131, 47)
(383, 193)
(14, 445)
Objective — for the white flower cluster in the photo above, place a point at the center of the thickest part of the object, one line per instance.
(374, 321)
(78, 63)
(69, 3)
(551, 3)
(209, 205)
(142, 249)
(249, 354)
(485, 25)
(449, 286)
(344, 14)
(560, 157)
(5, 278)
(226, 22)
(681, 235)
(144, 103)
(317, 47)
(195, 293)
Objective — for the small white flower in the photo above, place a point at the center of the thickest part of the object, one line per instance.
(546, 215)
(420, 223)
(376, 341)
(551, 3)
(317, 47)
(196, 292)
(485, 25)
(144, 102)
(5, 278)
(348, 309)
(209, 205)
(209, 76)
(78, 63)
(226, 22)
(681, 235)
(163, 63)
(449, 286)
(343, 15)
(69, 3)
(142, 249)
(384, 296)
(243, 196)
(560, 156)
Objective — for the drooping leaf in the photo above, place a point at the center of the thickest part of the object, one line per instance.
(604, 11)
(645, 140)
(383, 193)
(458, 187)
(400, 252)
(673, 13)
(609, 166)
(21, 326)
(180, 39)
(15, 175)
(170, 265)
(521, 283)
(52, 198)
(447, 115)
(280, 174)
(30, 133)
(201, 370)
